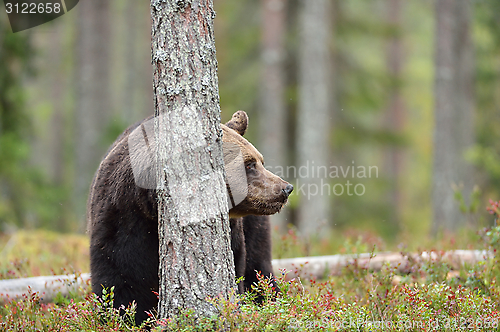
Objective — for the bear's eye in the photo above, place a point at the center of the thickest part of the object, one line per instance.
(250, 166)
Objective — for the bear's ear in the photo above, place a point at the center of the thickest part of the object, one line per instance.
(239, 122)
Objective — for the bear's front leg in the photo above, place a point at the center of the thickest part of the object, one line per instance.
(257, 231)
(239, 250)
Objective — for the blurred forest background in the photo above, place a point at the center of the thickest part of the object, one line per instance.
(408, 88)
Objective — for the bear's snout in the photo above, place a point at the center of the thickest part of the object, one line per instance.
(288, 190)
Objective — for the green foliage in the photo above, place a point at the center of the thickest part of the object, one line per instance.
(363, 86)
(114, 129)
(471, 210)
(486, 154)
(237, 41)
(427, 294)
(493, 235)
(487, 158)
(27, 198)
(368, 301)
(475, 201)
(365, 131)
(91, 313)
(14, 56)
(354, 241)
(292, 244)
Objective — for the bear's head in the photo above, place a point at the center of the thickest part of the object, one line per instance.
(252, 189)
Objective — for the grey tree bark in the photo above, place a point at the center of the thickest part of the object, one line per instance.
(51, 86)
(395, 112)
(92, 95)
(273, 118)
(453, 132)
(196, 260)
(313, 129)
(58, 118)
(129, 92)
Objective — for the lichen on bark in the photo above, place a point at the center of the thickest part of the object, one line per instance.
(196, 261)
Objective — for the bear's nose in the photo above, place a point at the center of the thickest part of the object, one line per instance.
(288, 190)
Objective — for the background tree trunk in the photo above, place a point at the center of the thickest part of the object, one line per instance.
(313, 130)
(395, 112)
(92, 95)
(454, 125)
(196, 260)
(273, 119)
(465, 100)
(58, 119)
(129, 93)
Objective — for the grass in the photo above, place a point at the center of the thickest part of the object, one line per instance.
(353, 241)
(28, 253)
(358, 300)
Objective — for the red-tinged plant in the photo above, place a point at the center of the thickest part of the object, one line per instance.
(494, 208)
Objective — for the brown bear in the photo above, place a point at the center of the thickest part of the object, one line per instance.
(122, 221)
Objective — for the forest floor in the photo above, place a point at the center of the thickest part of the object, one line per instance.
(430, 296)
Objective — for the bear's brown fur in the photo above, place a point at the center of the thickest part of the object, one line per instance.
(123, 222)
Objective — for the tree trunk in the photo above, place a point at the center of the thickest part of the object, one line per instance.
(92, 105)
(130, 86)
(464, 134)
(313, 128)
(196, 261)
(453, 132)
(272, 116)
(57, 137)
(395, 112)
